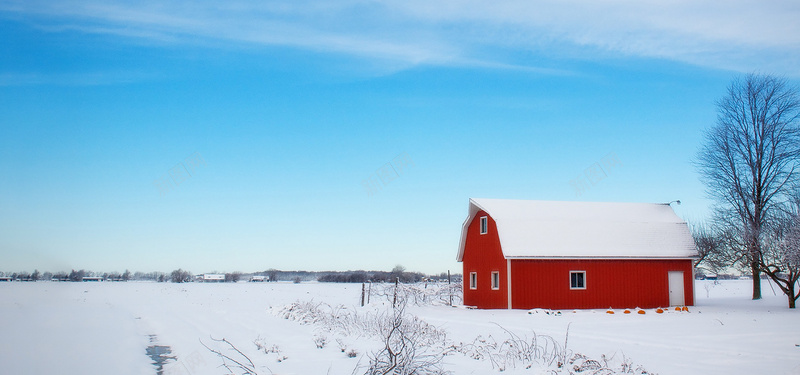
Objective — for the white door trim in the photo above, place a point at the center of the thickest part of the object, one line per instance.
(508, 282)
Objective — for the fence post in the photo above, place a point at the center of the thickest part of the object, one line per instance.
(425, 295)
(449, 288)
(396, 282)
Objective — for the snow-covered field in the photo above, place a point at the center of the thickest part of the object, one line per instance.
(105, 328)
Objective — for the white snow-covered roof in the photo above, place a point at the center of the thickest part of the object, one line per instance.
(549, 229)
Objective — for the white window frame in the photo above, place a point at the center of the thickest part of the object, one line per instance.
(473, 280)
(495, 280)
(484, 224)
(571, 287)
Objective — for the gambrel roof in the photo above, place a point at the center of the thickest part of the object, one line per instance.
(585, 230)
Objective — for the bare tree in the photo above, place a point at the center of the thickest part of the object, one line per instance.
(780, 258)
(398, 273)
(77, 275)
(233, 277)
(272, 274)
(180, 276)
(750, 158)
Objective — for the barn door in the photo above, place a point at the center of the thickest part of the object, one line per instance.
(676, 288)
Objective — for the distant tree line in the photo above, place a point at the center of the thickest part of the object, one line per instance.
(24, 276)
(398, 273)
(182, 276)
(79, 275)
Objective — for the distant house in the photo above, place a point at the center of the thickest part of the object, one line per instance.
(92, 278)
(213, 277)
(519, 254)
(6, 279)
(259, 279)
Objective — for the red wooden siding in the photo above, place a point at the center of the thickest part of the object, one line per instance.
(482, 254)
(609, 283)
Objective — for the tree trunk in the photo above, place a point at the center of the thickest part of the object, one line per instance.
(756, 279)
(792, 296)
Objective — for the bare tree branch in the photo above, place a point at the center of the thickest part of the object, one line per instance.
(245, 368)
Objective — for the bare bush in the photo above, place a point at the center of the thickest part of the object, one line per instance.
(411, 346)
(263, 346)
(320, 341)
(516, 351)
(336, 319)
(421, 294)
(544, 351)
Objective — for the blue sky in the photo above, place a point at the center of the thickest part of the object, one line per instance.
(335, 135)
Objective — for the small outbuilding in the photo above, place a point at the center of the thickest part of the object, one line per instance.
(520, 254)
(213, 277)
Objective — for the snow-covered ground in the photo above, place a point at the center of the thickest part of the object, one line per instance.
(105, 328)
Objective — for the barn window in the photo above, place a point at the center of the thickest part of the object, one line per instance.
(484, 225)
(577, 279)
(495, 280)
(473, 280)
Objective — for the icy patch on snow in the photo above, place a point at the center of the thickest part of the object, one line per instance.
(160, 354)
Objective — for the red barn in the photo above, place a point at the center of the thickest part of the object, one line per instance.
(520, 254)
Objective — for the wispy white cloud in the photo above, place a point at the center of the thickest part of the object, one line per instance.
(736, 34)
